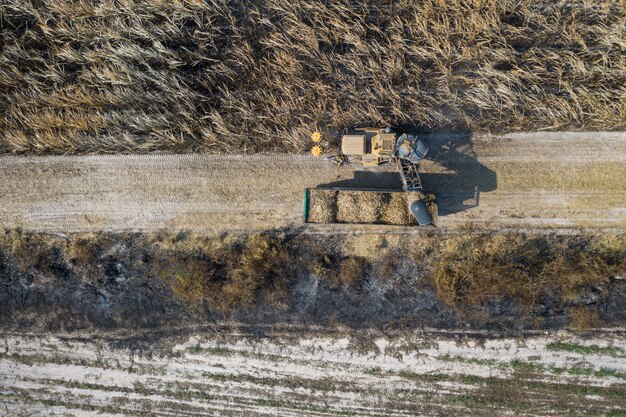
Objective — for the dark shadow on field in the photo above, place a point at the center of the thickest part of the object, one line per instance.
(459, 188)
(456, 190)
(377, 179)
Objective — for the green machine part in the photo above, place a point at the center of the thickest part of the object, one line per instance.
(306, 204)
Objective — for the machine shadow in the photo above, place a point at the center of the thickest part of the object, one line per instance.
(457, 187)
(376, 179)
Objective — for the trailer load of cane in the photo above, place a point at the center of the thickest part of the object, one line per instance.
(369, 149)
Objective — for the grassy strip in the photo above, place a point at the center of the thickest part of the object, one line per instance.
(574, 370)
(586, 349)
(536, 367)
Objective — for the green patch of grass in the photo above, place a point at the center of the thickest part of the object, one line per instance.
(424, 377)
(373, 371)
(472, 379)
(461, 359)
(609, 372)
(480, 402)
(467, 379)
(585, 349)
(576, 389)
(528, 366)
(579, 370)
(408, 374)
(574, 370)
(194, 349)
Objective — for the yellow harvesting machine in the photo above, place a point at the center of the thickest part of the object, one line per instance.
(372, 147)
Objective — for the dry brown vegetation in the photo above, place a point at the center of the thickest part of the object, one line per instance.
(472, 271)
(218, 76)
(228, 274)
(331, 206)
(232, 274)
(578, 278)
(349, 271)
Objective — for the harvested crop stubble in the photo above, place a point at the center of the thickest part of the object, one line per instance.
(249, 76)
(324, 207)
(358, 207)
(395, 211)
(330, 206)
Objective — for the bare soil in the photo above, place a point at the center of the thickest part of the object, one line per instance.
(550, 181)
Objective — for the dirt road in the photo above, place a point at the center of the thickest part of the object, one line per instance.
(278, 375)
(532, 180)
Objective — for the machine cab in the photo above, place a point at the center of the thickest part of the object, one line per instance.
(374, 146)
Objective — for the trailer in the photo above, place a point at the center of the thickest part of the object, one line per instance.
(368, 206)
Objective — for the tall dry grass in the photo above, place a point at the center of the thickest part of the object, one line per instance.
(235, 274)
(484, 278)
(472, 270)
(81, 76)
